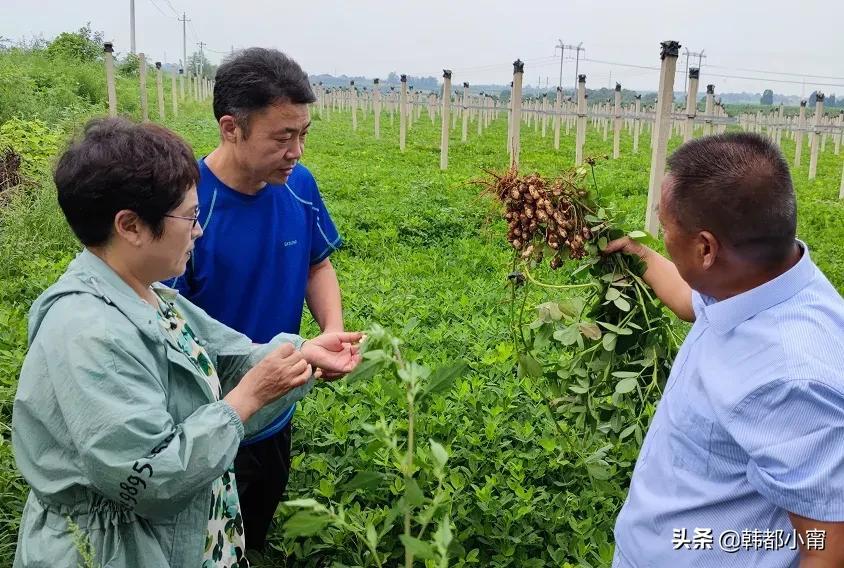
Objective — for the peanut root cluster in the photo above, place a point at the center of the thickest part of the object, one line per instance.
(541, 212)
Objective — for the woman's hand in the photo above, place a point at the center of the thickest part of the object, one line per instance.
(278, 373)
(334, 354)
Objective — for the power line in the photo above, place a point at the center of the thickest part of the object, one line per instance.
(160, 11)
(777, 72)
(176, 13)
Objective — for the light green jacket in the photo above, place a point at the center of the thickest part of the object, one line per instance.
(106, 401)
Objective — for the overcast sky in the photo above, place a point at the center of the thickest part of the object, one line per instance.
(771, 44)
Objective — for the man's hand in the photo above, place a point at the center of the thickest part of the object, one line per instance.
(335, 354)
(661, 275)
(629, 246)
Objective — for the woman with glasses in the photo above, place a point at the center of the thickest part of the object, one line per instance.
(132, 402)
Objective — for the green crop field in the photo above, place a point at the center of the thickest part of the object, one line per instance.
(425, 257)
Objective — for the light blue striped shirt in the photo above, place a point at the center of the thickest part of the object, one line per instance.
(750, 428)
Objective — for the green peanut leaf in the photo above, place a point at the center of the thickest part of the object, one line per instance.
(418, 548)
(625, 385)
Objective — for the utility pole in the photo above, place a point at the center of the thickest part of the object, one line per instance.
(700, 56)
(132, 26)
(562, 48)
(184, 20)
(577, 62)
(201, 73)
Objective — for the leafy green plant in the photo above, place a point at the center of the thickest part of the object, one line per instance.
(606, 353)
(409, 469)
(81, 45)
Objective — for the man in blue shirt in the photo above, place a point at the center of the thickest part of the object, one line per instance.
(743, 464)
(266, 243)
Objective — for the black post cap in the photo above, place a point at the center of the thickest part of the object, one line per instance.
(181, 71)
(518, 66)
(465, 85)
(710, 89)
(802, 103)
(618, 86)
(108, 47)
(670, 48)
(581, 78)
(352, 83)
(694, 73)
(820, 97)
(404, 78)
(638, 97)
(376, 81)
(559, 89)
(446, 73)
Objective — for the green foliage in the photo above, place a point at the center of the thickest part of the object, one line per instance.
(378, 539)
(767, 98)
(82, 45)
(33, 140)
(130, 65)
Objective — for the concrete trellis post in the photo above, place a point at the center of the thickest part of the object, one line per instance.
(516, 119)
(353, 94)
(616, 136)
(662, 130)
(691, 104)
(403, 114)
(445, 118)
(557, 104)
(841, 191)
(481, 114)
(801, 127)
(108, 49)
(779, 126)
(840, 133)
(182, 84)
(710, 108)
(174, 94)
(816, 146)
(159, 87)
(604, 121)
(637, 124)
(465, 134)
(580, 137)
(142, 63)
(376, 106)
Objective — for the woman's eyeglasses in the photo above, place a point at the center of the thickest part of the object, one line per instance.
(195, 219)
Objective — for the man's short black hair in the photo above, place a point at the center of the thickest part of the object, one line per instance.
(255, 78)
(738, 187)
(118, 165)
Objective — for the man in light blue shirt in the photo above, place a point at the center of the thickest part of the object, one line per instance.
(743, 464)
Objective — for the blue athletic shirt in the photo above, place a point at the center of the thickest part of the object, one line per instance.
(250, 268)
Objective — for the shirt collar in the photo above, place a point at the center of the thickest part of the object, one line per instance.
(726, 315)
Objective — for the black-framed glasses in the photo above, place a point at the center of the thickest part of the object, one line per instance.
(195, 219)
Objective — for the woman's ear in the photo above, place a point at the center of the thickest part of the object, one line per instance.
(708, 248)
(129, 227)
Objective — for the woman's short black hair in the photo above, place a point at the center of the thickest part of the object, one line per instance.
(117, 165)
(255, 78)
(738, 187)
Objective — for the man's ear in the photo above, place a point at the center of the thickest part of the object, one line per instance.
(229, 130)
(129, 227)
(708, 248)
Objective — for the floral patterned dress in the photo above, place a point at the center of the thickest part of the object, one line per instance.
(225, 543)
